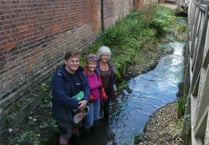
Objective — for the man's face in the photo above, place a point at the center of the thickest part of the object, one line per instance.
(72, 63)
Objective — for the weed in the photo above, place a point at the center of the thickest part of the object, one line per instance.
(29, 137)
(137, 32)
(181, 106)
(162, 19)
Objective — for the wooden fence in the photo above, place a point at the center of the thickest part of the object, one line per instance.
(196, 119)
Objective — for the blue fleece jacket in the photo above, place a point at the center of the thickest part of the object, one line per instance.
(64, 87)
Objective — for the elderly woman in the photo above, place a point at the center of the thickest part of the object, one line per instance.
(95, 85)
(107, 76)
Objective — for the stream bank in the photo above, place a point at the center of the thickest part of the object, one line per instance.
(41, 115)
(162, 128)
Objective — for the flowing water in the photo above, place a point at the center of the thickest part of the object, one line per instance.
(150, 91)
(131, 110)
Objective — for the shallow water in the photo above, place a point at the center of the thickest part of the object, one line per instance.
(150, 91)
(130, 111)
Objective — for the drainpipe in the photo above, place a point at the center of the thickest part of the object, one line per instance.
(102, 14)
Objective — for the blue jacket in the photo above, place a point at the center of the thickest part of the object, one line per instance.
(63, 89)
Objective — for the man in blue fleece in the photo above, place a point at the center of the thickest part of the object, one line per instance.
(67, 81)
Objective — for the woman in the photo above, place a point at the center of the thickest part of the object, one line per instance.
(95, 85)
(107, 76)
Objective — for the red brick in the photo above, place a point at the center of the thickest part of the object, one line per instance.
(9, 46)
(34, 35)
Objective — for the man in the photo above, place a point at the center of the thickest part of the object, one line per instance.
(67, 81)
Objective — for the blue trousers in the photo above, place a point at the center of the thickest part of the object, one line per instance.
(93, 114)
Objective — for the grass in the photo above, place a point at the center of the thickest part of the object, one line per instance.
(181, 106)
(139, 30)
(130, 35)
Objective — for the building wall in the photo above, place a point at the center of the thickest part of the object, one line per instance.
(112, 10)
(35, 34)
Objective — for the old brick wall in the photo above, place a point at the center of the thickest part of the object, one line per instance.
(35, 34)
(115, 9)
(138, 4)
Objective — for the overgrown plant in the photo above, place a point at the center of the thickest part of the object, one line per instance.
(126, 40)
(161, 19)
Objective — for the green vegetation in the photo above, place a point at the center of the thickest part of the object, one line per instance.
(162, 19)
(129, 35)
(181, 106)
(139, 30)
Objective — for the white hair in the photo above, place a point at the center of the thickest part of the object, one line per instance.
(104, 50)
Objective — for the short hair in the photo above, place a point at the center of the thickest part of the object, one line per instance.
(71, 54)
(104, 50)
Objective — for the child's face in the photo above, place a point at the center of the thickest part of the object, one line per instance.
(92, 65)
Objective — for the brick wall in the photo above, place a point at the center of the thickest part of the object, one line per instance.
(115, 9)
(138, 3)
(35, 34)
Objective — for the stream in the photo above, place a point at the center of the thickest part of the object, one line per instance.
(150, 91)
(132, 109)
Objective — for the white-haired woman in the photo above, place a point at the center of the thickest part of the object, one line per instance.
(107, 76)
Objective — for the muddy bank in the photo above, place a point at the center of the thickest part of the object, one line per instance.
(163, 127)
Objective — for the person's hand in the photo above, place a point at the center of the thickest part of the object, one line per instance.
(82, 105)
(115, 93)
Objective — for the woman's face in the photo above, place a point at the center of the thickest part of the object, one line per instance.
(104, 57)
(92, 66)
(72, 64)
